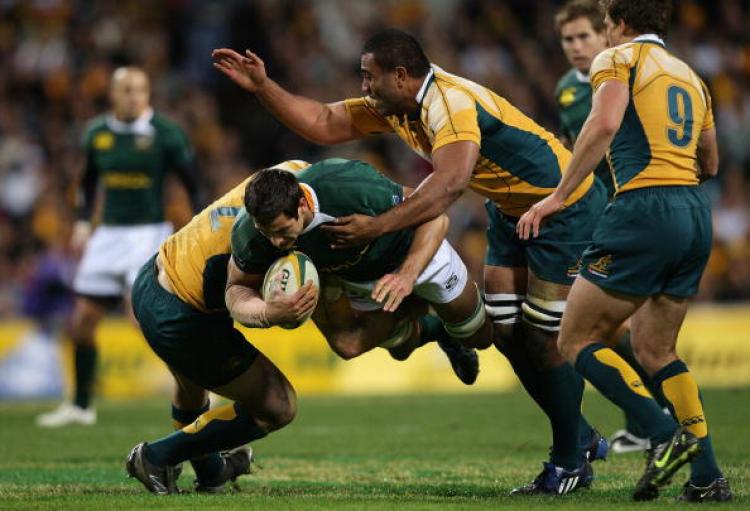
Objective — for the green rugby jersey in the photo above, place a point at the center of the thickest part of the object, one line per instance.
(573, 95)
(130, 162)
(338, 188)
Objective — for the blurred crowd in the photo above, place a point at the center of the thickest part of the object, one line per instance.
(56, 57)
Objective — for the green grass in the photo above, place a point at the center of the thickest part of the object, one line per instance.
(395, 453)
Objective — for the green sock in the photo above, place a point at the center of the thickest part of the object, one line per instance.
(85, 367)
(219, 429)
(208, 466)
(619, 383)
(431, 329)
(681, 393)
(562, 391)
(558, 392)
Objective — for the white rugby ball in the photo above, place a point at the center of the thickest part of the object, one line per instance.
(289, 273)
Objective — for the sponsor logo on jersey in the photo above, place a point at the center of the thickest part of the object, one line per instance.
(127, 180)
(104, 141)
(600, 267)
(143, 142)
(567, 96)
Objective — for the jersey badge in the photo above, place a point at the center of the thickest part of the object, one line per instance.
(143, 142)
(104, 141)
(567, 96)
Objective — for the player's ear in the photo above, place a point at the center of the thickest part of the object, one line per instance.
(401, 74)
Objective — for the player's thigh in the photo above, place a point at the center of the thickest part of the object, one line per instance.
(654, 330)
(263, 390)
(592, 314)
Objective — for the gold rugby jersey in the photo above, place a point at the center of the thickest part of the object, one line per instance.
(519, 162)
(195, 258)
(669, 106)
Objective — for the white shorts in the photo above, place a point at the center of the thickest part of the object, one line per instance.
(113, 256)
(442, 281)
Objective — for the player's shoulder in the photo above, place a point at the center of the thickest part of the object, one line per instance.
(95, 124)
(243, 231)
(569, 79)
(166, 124)
(622, 54)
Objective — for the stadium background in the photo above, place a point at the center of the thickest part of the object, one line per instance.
(56, 57)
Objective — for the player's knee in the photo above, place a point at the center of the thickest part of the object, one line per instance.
(280, 409)
(544, 315)
(504, 310)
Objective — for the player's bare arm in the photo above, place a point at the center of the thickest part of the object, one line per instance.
(321, 123)
(708, 154)
(453, 165)
(247, 307)
(607, 110)
(392, 288)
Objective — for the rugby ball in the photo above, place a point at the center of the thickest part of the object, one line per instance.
(288, 274)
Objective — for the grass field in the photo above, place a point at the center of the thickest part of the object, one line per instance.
(395, 453)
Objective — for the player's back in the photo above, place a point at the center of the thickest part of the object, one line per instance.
(669, 106)
(195, 258)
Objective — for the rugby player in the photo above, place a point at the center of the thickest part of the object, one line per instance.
(476, 139)
(129, 152)
(284, 211)
(179, 301)
(653, 115)
(580, 24)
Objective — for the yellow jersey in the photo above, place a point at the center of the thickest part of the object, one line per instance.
(669, 106)
(519, 162)
(195, 258)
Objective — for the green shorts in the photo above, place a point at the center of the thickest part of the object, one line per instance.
(555, 255)
(203, 347)
(651, 241)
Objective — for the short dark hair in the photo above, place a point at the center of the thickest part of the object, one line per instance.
(392, 48)
(643, 16)
(581, 9)
(270, 193)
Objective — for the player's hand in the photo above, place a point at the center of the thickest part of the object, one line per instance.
(248, 71)
(284, 308)
(531, 220)
(81, 235)
(391, 290)
(352, 230)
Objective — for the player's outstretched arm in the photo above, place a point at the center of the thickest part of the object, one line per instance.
(453, 166)
(248, 308)
(318, 122)
(392, 288)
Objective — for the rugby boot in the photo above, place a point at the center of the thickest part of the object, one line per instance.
(663, 461)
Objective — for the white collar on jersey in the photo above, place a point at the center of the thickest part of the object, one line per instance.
(141, 126)
(318, 217)
(425, 84)
(582, 77)
(649, 37)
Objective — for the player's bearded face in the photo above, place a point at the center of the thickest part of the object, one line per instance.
(379, 86)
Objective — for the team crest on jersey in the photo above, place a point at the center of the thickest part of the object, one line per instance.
(104, 141)
(567, 96)
(600, 267)
(143, 142)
